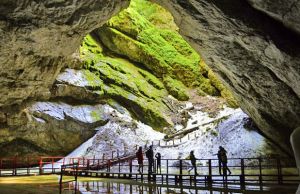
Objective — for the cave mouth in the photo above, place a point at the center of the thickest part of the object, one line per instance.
(137, 64)
(138, 84)
(140, 54)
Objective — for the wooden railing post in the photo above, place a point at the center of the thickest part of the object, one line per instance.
(242, 176)
(88, 164)
(130, 166)
(119, 167)
(108, 165)
(52, 165)
(15, 166)
(62, 169)
(1, 167)
(180, 170)
(76, 175)
(41, 166)
(209, 177)
(209, 168)
(260, 171)
(167, 176)
(279, 171)
(28, 166)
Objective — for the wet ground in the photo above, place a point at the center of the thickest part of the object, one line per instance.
(49, 185)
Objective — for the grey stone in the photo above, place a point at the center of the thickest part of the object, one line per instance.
(39, 38)
(51, 128)
(256, 56)
(287, 12)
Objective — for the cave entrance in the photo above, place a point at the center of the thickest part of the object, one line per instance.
(140, 85)
(142, 63)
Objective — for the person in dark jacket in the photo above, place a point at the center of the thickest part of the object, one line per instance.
(140, 158)
(219, 159)
(222, 156)
(193, 162)
(158, 162)
(150, 157)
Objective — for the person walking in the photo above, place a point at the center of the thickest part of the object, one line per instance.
(158, 162)
(150, 157)
(193, 162)
(222, 154)
(140, 158)
(219, 159)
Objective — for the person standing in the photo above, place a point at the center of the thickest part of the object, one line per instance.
(158, 162)
(150, 157)
(193, 162)
(140, 158)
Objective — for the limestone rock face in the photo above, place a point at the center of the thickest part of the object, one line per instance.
(38, 38)
(285, 11)
(51, 128)
(254, 54)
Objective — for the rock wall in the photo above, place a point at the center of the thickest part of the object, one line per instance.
(254, 54)
(287, 12)
(38, 38)
(51, 128)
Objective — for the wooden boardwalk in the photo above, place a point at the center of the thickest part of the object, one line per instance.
(245, 171)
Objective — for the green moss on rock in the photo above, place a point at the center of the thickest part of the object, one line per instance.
(90, 51)
(155, 14)
(136, 89)
(215, 81)
(176, 88)
(158, 62)
(162, 51)
(206, 86)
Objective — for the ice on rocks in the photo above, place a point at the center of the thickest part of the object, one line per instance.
(78, 78)
(82, 113)
(123, 133)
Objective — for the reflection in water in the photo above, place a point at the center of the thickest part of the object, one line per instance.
(96, 187)
(132, 187)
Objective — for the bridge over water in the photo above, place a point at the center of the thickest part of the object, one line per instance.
(255, 174)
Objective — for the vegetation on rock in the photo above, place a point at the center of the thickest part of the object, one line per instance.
(159, 61)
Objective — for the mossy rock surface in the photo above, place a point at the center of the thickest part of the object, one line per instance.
(137, 35)
(135, 88)
(223, 91)
(140, 59)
